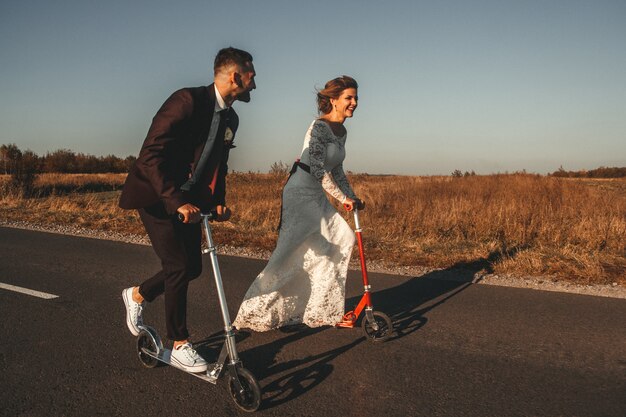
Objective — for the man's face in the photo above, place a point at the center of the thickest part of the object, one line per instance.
(245, 82)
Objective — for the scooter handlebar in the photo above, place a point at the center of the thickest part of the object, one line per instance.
(358, 204)
(210, 215)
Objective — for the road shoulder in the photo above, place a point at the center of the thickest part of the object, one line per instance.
(537, 283)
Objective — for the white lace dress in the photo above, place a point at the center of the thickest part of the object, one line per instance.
(304, 280)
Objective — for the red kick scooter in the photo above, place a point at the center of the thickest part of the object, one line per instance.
(376, 325)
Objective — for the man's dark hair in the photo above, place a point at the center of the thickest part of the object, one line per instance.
(229, 56)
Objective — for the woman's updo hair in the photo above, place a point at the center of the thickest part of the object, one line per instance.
(333, 89)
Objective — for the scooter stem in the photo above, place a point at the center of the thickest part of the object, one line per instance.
(357, 224)
(228, 328)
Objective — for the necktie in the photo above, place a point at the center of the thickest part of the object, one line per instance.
(204, 157)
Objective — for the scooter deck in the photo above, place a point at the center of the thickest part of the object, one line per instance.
(165, 356)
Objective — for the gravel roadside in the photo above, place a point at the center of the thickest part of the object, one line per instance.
(538, 283)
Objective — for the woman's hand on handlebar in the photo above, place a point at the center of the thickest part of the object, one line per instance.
(189, 213)
(350, 204)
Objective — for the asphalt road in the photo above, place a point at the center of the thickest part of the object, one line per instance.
(459, 349)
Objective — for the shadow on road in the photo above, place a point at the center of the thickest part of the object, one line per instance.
(408, 303)
(302, 374)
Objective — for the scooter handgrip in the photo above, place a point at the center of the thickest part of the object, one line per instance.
(210, 215)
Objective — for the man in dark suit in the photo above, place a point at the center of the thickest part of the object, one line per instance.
(181, 170)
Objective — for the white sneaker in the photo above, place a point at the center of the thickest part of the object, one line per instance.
(186, 358)
(134, 311)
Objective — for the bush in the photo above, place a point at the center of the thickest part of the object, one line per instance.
(24, 173)
(279, 168)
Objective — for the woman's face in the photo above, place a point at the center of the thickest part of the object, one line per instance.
(346, 104)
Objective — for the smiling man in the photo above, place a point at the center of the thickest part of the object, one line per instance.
(181, 170)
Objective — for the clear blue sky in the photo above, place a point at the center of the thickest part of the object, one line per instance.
(489, 86)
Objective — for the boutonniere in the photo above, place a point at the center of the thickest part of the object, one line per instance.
(228, 136)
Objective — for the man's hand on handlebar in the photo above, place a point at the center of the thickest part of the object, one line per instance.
(189, 213)
(350, 204)
(192, 214)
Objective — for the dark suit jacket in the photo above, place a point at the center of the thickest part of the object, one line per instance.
(171, 150)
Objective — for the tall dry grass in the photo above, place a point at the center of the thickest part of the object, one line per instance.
(508, 224)
(520, 224)
(516, 224)
(86, 200)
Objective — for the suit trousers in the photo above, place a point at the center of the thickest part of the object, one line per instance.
(178, 247)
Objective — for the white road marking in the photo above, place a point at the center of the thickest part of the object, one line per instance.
(34, 293)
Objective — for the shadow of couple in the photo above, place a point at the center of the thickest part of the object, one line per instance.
(406, 304)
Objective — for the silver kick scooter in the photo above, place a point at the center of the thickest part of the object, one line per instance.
(242, 384)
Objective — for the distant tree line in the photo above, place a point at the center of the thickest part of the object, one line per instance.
(458, 174)
(602, 172)
(13, 160)
(23, 166)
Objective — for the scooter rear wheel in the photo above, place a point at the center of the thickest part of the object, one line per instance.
(385, 327)
(249, 397)
(145, 341)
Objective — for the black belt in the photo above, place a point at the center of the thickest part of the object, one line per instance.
(297, 164)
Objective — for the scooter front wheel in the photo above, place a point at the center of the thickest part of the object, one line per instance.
(244, 389)
(147, 342)
(380, 330)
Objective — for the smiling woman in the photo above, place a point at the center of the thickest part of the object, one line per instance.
(304, 280)
(341, 90)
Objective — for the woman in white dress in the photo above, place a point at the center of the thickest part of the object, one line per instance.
(304, 280)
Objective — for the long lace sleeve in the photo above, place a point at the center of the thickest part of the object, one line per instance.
(342, 181)
(317, 155)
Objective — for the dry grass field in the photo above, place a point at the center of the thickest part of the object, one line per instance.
(517, 224)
